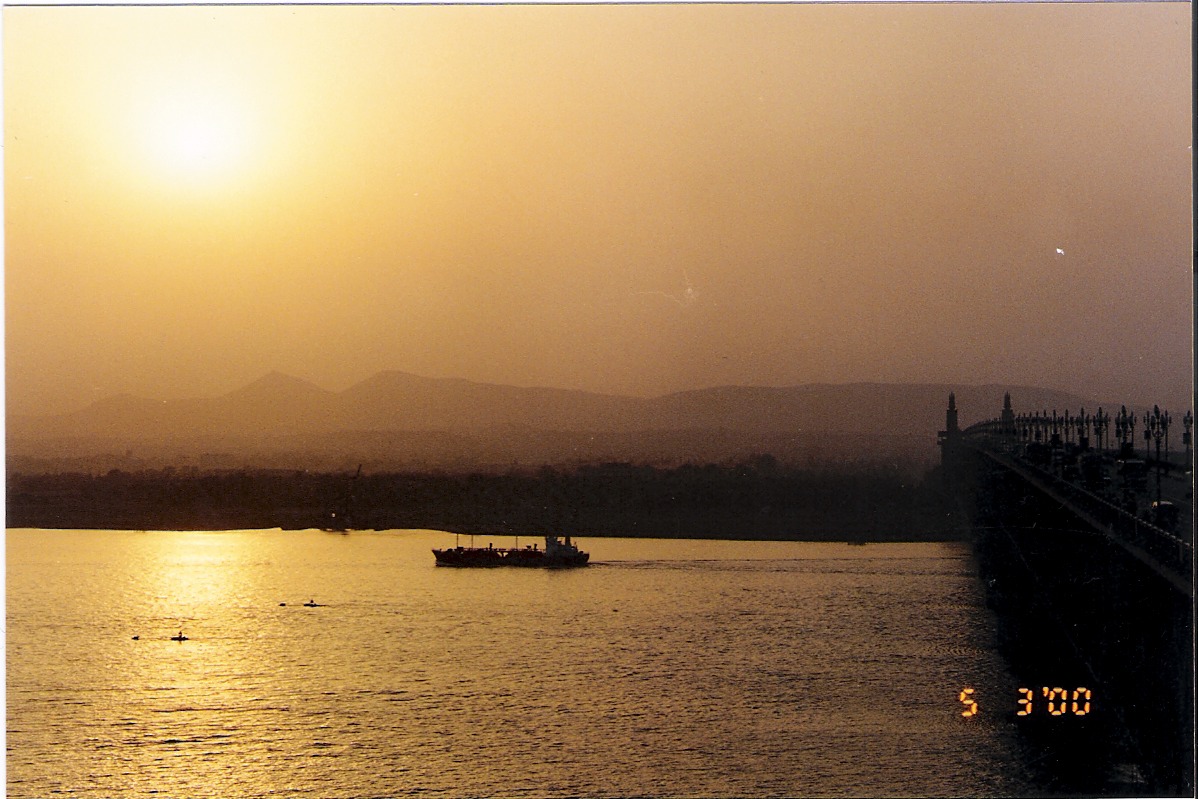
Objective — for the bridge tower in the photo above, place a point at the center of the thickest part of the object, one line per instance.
(950, 436)
(1007, 420)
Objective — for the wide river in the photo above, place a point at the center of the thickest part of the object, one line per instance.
(666, 668)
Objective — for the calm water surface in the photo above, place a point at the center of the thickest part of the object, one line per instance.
(668, 668)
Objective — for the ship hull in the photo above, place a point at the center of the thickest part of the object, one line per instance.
(484, 558)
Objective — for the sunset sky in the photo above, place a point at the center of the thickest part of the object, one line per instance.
(626, 199)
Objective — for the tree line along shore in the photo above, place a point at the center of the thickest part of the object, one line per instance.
(754, 499)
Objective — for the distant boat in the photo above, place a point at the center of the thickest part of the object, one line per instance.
(179, 637)
(312, 603)
(557, 554)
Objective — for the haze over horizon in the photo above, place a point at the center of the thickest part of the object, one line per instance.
(630, 200)
(276, 383)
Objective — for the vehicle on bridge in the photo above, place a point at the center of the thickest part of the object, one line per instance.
(1164, 514)
(1133, 474)
(1038, 454)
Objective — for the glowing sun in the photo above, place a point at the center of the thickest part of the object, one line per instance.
(197, 138)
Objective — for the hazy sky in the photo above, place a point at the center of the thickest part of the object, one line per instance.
(628, 199)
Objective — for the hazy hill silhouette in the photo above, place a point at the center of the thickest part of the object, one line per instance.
(397, 418)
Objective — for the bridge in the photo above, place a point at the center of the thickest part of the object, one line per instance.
(1086, 548)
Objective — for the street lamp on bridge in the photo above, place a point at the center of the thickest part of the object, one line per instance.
(1156, 427)
(1187, 438)
(1101, 423)
(1129, 429)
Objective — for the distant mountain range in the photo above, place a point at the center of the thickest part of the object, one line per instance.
(400, 420)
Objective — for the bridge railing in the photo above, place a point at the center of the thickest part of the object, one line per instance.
(1165, 547)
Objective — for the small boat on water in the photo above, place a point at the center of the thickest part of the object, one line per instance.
(179, 637)
(557, 554)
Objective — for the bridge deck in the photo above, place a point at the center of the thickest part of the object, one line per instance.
(1168, 555)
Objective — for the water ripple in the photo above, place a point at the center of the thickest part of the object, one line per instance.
(673, 668)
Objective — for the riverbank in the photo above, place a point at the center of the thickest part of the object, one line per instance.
(759, 500)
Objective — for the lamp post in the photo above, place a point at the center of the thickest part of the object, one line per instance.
(1129, 422)
(1167, 419)
(1101, 423)
(1147, 436)
(1187, 439)
(1158, 427)
(1081, 428)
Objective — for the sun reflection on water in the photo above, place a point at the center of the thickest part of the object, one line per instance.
(191, 577)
